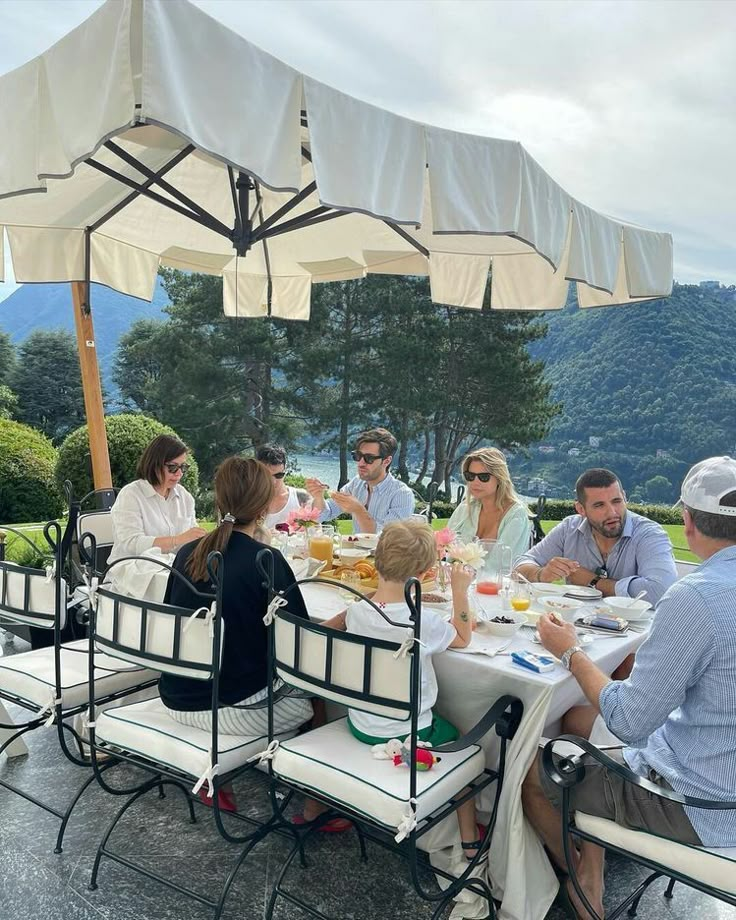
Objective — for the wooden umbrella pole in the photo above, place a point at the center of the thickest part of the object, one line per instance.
(91, 386)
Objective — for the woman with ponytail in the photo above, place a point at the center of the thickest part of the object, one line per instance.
(243, 493)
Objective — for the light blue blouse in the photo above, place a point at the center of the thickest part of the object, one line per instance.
(514, 530)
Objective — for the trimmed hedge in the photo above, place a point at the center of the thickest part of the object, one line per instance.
(127, 437)
(556, 510)
(27, 488)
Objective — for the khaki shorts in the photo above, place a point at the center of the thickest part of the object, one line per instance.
(605, 794)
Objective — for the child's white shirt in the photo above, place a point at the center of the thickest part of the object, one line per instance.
(436, 636)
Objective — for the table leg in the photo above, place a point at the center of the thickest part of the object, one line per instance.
(18, 748)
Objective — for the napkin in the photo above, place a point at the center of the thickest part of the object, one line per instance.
(486, 645)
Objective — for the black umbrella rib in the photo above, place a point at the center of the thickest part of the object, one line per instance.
(166, 186)
(167, 167)
(284, 209)
(317, 216)
(213, 225)
(409, 239)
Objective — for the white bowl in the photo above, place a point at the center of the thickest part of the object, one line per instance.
(629, 609)
(503, 629)
(350, 555)
(364, 540)
(566, 608)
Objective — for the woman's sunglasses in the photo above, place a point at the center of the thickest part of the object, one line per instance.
(175, 467)
(469, 477)
(358, 455)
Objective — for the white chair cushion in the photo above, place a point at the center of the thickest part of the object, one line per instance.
(147, 729)
(330, 761)
(30, 676)
(715, 868)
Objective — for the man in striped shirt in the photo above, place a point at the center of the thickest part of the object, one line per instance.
(373, 497)
(676, 713)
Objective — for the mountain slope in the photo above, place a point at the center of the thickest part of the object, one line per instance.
(644, 378)
(49, 306)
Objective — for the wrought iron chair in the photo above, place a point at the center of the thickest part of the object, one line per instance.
(536, 519)
(394, 808)
(51, 682)
(711, 871)
(186, 643)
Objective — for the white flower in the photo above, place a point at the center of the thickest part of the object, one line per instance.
(471, 554)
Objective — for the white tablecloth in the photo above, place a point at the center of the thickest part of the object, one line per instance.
(519, 871)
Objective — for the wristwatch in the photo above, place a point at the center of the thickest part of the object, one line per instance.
(567, 656)
(594, 581)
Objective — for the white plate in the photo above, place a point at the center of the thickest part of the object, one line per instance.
(583, 592)
(546, 587)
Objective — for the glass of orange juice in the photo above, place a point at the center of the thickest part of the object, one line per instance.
(520, 595)
(321, 543)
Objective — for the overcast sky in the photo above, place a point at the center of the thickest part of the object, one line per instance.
(629, 104)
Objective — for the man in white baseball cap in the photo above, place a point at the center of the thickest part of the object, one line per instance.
(676, 713)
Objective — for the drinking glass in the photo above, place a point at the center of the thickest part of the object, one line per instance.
(520, 594)
(321, 543)
(350, 579)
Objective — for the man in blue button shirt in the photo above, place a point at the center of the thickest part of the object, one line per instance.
(604, 545)
(676, 713)
(373, 497)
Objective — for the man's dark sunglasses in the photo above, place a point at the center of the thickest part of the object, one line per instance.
(358, 455)
(175, 467)
(469, 477)
(279, 475)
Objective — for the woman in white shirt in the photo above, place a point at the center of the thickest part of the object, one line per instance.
(285, 498)
(492, 510)
(155, 510)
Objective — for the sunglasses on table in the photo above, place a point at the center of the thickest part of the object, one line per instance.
(469, 477)
(358, 455)
(176, 467)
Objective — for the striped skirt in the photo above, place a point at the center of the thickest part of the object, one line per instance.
(288, 715)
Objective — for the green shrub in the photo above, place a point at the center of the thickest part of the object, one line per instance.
(556, 510)
(296, 480)
(27, 488)
(127, 437)
(206, 509)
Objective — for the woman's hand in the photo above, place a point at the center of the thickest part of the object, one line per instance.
(194, 533)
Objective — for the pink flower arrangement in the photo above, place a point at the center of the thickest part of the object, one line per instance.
(444, 538)
(302, 519)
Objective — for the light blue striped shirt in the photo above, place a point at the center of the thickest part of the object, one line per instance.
(677, 710)
(641, 560)
(390, 500)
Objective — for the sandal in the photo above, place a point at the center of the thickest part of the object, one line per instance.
(474, 844)
(333, 826)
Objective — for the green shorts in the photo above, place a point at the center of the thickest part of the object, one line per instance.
(439, 732)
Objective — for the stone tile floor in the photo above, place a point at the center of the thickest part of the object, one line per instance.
(36, 884)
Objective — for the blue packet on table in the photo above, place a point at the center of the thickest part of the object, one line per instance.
(533, 662)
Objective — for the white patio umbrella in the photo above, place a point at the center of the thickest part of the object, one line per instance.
(153, 135)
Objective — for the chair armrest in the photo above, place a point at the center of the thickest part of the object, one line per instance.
(569, 771)
(505, 714)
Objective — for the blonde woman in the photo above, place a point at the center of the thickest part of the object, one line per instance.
(492, 510)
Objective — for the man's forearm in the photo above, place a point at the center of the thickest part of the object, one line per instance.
(530, 570)
(590, 677)
(365, 522)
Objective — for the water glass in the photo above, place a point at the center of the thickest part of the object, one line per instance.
(350, 579)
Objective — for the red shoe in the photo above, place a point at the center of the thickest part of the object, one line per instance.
(225, 799)
(333, 826)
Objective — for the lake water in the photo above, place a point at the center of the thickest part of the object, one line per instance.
(328, 468)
